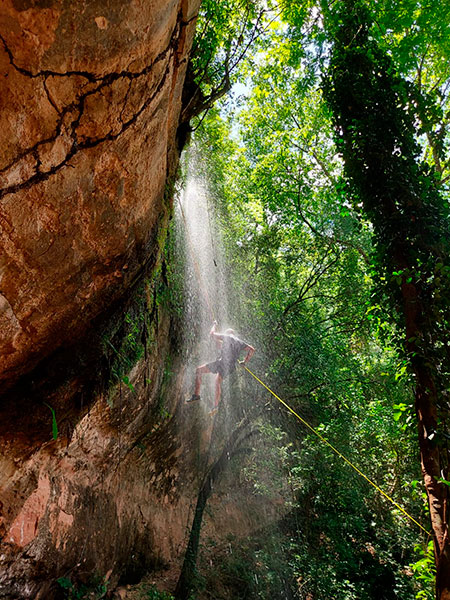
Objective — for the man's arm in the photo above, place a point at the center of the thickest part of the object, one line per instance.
(250, 353)
(218, 337)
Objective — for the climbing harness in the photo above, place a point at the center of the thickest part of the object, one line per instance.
(336, 451)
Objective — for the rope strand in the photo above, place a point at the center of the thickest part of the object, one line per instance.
(336, 451)
(204, 291)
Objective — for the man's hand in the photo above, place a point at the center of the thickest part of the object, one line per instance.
(213, 328)
(250, 353)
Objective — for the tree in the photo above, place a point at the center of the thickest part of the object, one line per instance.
(305, 252)
(302, 294)
(375, 113)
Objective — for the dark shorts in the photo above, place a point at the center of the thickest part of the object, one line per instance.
(220, 367)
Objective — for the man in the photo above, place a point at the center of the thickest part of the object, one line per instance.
(230, 350)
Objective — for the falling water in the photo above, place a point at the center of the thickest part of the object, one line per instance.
(208, 296)
(205, 276)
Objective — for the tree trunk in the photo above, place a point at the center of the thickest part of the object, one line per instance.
(186, 581)
(373, 110)
(434, 466)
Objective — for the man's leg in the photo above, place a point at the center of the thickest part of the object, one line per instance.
(198, 378)
(219, 380)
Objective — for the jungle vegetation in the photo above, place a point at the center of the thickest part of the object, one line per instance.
(328, 166)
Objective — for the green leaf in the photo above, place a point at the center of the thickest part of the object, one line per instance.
(127, 382)
(54, 422)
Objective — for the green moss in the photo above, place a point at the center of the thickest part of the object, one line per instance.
(132, 337)
(134, 334)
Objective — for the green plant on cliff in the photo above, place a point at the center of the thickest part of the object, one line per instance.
(54, 421)
(129, 348)
(133, 336)
(96, 589)
(151, 592)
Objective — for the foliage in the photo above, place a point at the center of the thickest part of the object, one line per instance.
(318, 289)
(151, 592)
(225, 32)
(54, 422)
(127, 345)
(249, 569)
(135, 334)
(425, 570)
(321, 352)
(95, 589)
(381, 158)
(377, 132)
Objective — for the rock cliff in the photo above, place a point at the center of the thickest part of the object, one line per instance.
(90, 100)
(89, 106)
(101, 461)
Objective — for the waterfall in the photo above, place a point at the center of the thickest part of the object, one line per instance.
(206, 285)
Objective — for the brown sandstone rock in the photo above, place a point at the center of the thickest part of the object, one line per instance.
(90, 97)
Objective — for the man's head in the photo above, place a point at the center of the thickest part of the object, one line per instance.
(230, 332)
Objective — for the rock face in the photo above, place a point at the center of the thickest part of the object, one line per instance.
(90, 102)
(108, 500)
(90, 96)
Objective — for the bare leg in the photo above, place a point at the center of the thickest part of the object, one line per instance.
(198, 378)
(219, 380)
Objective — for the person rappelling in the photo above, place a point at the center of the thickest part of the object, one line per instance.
(230, 350)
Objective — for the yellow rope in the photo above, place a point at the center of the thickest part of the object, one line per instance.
(325, 441)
